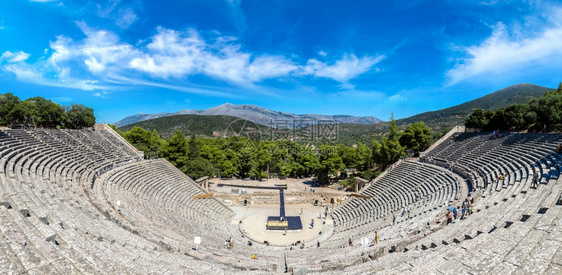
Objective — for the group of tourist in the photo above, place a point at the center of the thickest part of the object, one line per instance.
(229, 243)
(405, 212)
(301, 243)
(459, 212)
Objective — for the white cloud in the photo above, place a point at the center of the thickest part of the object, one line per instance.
(171, 55)
(42, 1)
(489, 2)
(26, 73)
(177, 54)
(23, 72)
(101, 94)
(101, 51)
(105, 11)
(322, 53)
(125, 18)
(396, 98)
(507, 53)
(11, 57)
(342, 70)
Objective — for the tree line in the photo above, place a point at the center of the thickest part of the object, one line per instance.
(545, 111)
(41, 112)
(257, 159)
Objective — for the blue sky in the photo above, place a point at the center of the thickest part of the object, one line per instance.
(329, 57)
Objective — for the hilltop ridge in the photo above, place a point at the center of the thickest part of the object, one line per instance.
(256, 114)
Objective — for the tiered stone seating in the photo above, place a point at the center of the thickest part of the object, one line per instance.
(484, 157)
(509, 237)
(81, 202)
(48, 223)
(154, 195)
(408, 186)
(514, 229)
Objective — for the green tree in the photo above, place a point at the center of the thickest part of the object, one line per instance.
(477, 119)
(329, 163)
(200, 167)
(514, 116)
(175, 151)
(8, 102)
(308, 163)
(389, 150)
(548, 108)
(48, 113)
(193, 148)
(227, 169)
(140, 138)
(416, 137)
(348, 155)
(24, 112)
(497, 120)
(79, 116)
(364, 160)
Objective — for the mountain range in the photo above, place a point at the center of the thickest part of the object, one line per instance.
(259, 115)
(354, 130)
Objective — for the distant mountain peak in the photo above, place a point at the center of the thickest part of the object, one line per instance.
(258, 115)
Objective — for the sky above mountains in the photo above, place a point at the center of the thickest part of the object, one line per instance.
(330, 57)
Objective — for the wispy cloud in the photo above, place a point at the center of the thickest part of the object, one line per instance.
(182, 87)
(342, 70)
(171, 56)
(101, 94)
(179, 54)
(122, 15)
(26, 73)
(125, 18)
(508, 50)
(11, 57)
(174, 54)
(237, 14)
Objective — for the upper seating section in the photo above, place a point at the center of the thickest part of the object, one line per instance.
(484, 156)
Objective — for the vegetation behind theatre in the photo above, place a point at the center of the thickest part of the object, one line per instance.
(41, 112)
(544, 111)
(246, 157)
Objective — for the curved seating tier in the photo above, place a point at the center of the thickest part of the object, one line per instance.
(153, 194)
(484, 157)
(515, 229)
(49, 223)
(406, 185)
(81, 202)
